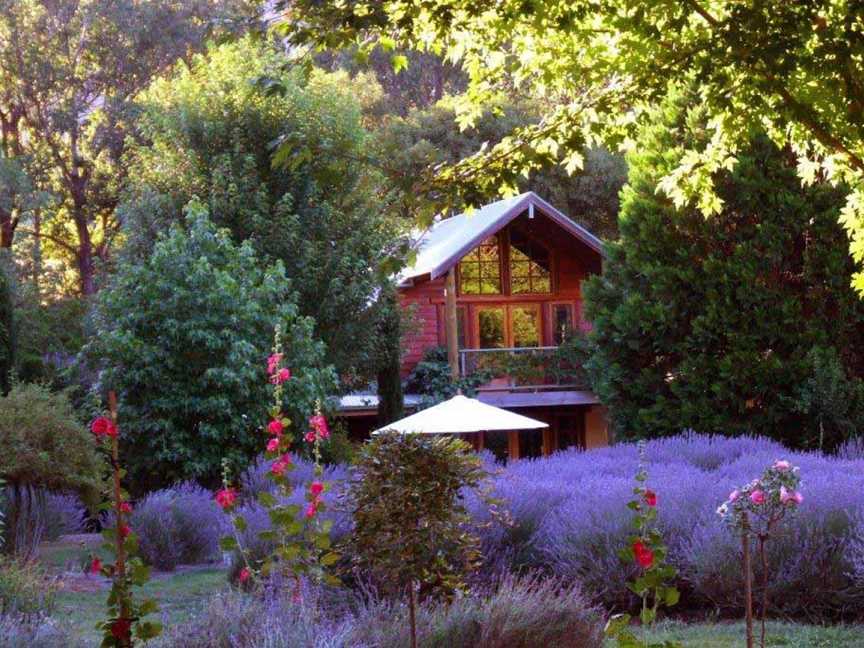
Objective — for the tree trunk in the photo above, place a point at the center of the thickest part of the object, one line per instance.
(748, 579)
(412, 603)
(84, 255)
(450, 320)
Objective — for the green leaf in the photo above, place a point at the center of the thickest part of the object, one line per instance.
(329, 559)
(228, 543)
(399, 62)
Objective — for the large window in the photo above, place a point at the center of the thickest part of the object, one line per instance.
(480, 270)
(529, 266)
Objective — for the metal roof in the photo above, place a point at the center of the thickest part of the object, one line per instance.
(442, 245)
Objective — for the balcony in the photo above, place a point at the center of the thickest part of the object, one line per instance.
(524, 368)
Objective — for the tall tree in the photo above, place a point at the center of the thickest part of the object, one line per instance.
(712, 324)
(795, 68)
(210, 129)
(68, 73)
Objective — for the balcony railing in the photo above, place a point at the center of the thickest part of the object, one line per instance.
(522, 368)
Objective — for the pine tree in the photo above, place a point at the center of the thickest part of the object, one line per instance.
(706, 323)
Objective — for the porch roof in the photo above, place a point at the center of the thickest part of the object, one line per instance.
(442, 245)
(551, 398)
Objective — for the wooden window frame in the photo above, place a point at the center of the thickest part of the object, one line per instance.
(550, 319)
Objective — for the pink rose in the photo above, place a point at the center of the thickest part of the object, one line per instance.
(734, 495)
(316, 488)
(273, 362)
(273, 445)
(275, 427)
(757, 497)
(782, 465)
(310, 436)
(790, 497)
(244, 575)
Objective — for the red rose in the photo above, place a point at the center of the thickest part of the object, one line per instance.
(244, 575)
(226, 497)
(124, 530)
(121, 629)
(316, 488)
(96, 566)
(312, 509)
(643, 555)
(125, 507)
(275, 427)
(650, 497)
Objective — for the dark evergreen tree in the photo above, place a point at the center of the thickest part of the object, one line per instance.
(710, 323)
(389, 340)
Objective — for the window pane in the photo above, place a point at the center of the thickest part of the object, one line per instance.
(529, 261)
(562, 322)
(491, 328)
(460, 326)
(480, 270)
(526, 326)
(519, 285)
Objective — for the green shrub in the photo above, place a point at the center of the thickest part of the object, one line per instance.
(42, 446)
(183, 336)
(24, 589)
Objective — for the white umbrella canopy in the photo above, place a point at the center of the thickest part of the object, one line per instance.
(461, 415)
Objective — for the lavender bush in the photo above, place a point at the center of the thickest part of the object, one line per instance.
(65, 514)
(179, 525)
(33, 631)
(570, 519)
(518, 613)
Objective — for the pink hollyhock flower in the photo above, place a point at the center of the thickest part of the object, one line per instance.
(310, 436)
(782, 465)
(319, 425)
(275, 427)
(281, 464)
(226, 497)
(734, 495)
(121, 629)
(244, 575)
(125, 507)
(643, 555)
(96, 566)
(103, 426)
(650, 497)
(757, 497)
(312, 509)
(280, 376)
(273, 362)
(316, 488)
(273, 444)
(124, 530)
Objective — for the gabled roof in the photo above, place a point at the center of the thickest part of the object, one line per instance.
(442, 246)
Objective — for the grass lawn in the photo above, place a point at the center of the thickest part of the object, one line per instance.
(731, 635)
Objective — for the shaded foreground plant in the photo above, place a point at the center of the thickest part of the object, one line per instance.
(125, 621)
(411, 523)
(647, 549)
(754, 511)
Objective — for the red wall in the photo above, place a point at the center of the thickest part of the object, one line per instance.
(423, 332)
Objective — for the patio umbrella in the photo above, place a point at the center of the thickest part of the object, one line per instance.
(461, 415)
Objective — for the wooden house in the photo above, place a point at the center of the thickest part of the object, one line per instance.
(515, 270)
